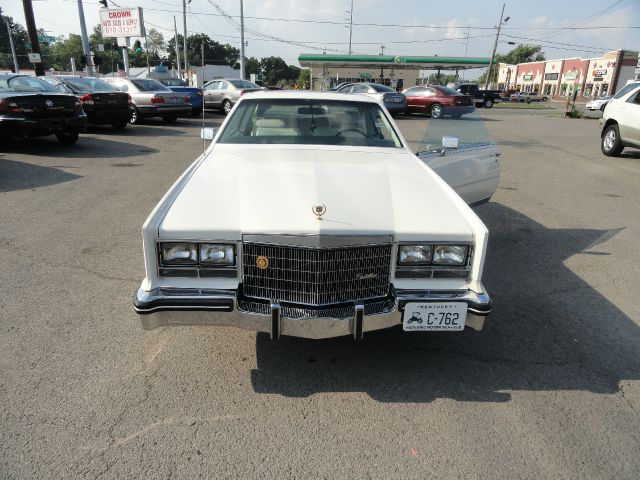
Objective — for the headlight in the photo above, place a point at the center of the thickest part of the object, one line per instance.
(450, 254)
(414, 255)
(217, 254)
(179, 253)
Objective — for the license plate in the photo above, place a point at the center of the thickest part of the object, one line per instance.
(173, 100)
(397, 100)
(434, 317)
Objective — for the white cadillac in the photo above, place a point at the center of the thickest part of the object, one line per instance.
(309, 216)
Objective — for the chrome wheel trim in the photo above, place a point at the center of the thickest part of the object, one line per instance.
(436, 111)
(609, 139)
(134, 116)
(226, 106)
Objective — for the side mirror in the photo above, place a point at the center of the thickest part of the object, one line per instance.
(208, 133)
(449, 142)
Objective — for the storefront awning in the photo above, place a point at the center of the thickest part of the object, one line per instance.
(398, 61)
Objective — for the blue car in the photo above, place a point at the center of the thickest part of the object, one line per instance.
(180, 86)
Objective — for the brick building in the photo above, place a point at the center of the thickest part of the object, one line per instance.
(588, 78)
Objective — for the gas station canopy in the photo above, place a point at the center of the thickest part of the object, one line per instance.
(398, 62)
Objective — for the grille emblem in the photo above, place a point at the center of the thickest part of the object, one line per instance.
(366, 276)
(319, 211)
(48, 103)
(262, 262)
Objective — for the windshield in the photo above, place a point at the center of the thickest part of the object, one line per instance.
(174, 82)
(243, 84)
(26, 84)
(381, 88)
(309, 122)
(89, 84)
(149, 85)
(469, 129)
(447, 90)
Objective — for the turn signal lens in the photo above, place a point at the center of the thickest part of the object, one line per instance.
(157, 99)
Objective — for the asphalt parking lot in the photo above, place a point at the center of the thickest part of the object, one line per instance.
(550, 388)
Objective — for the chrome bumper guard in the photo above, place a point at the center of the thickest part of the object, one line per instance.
(164, 307)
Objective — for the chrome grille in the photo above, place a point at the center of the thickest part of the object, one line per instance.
(316, 276)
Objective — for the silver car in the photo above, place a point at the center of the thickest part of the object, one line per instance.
(152, 99)
(223, 93)
(394, 102)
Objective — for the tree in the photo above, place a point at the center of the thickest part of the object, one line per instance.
(442, 79)
(520, 54)
(251, 66)
(61, 52)
(20, 41)
(274, 69)
(214, 53)
(155, 44)
(304, 78)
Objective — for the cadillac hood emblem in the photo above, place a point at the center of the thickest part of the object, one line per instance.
(262, 262)
(49, 103)
(319, 211)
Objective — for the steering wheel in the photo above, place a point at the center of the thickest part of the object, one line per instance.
(356, 130)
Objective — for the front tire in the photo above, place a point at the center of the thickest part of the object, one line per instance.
(67, 138)
(488, 103)
(610, 144)
(135, 118)
(436, 110)
(226, 107)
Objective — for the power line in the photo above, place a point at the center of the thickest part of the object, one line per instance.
(394, 25)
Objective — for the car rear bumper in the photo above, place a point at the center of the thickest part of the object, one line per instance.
(108, 116)
(22, 126)
(184, 307)
(154, 111)
(396, 107)
(458, 109)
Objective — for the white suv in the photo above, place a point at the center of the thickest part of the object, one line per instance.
(621, 121)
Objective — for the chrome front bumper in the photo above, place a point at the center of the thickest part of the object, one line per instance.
(184, 307)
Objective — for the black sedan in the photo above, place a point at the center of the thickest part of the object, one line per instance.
(30, 107)
(102, 102)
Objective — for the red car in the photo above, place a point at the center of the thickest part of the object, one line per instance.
(438, 101)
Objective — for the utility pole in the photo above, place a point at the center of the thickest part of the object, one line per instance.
(241, 40)
(175, 33)
(13, 48)
(202, 54)
(184, 24)
(33, 34)
(495, 47)
(146, 48)
(85, 39)
(466, 49)
(350, 26)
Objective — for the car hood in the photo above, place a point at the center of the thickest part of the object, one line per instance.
(273, 188)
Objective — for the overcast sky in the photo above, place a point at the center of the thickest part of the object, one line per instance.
(424, 27)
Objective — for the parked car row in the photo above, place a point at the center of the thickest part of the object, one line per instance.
(434, 100)
(528, 97)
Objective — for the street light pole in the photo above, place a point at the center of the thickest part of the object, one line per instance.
(13, 48)
(350, 26)
(85, 39)
(184, 22)
(175, 36)
(495, 47)
(242, 72)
